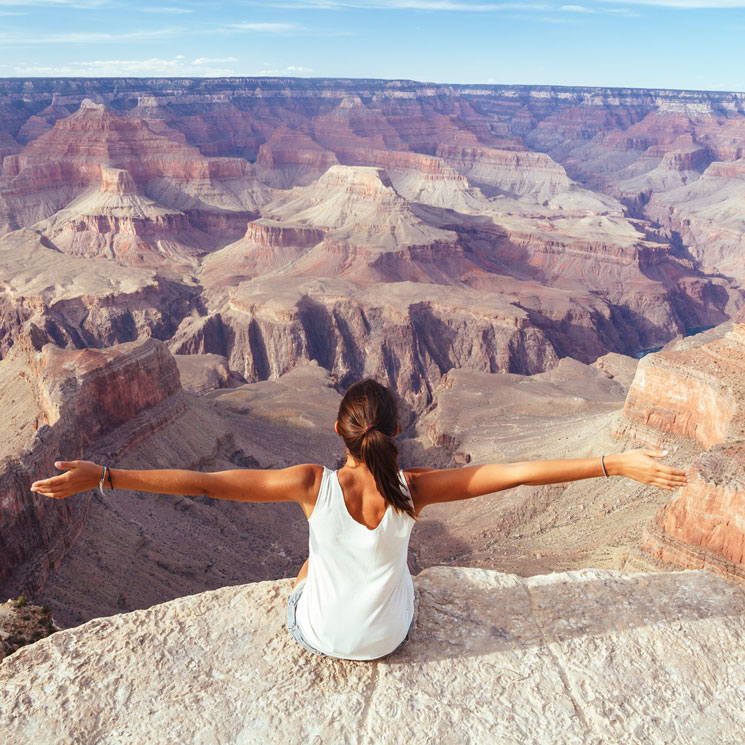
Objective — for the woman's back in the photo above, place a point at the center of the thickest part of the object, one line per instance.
(358, 600)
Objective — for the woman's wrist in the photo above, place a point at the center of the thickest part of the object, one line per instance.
(614, 464)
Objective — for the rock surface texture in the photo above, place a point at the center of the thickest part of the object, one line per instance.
(590, 657)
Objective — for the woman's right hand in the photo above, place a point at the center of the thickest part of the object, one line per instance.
(80, 475)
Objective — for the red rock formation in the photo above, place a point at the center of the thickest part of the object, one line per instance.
(57, 166)
(268, 235)
(518, 173)
(65, 401)
(429, 167)
(8, 145)
(703, 527)
(697, 394)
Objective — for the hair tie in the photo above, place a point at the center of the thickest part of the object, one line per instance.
(367, 429)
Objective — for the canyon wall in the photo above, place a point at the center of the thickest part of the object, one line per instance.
(61, 404)
(335, 229)
(694, 398)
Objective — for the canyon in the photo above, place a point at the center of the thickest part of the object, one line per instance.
(192, 272)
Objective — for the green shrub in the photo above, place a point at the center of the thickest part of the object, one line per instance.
(21, 600)
(45, 609)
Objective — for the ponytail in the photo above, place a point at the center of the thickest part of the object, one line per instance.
(368, 419)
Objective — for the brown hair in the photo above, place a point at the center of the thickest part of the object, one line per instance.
(368, 418)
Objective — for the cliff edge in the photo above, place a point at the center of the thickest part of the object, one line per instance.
(589, 656)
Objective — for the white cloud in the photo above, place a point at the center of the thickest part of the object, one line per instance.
(576, 9)
(212, 60)
(433, 5)
(546, 19)
(450, 5)
(289, 29)
(291, 71)
(82, 4)
(154, 66)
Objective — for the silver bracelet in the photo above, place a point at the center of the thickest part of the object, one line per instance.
(103, 478)
(602, 465)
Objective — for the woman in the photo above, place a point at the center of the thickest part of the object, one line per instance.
(354, 596)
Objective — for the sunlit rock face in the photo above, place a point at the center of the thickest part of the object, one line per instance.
(97, 179)
(696, 397)
(583, 657)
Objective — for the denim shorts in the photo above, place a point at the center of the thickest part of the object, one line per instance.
(292, 626)
(297, 635)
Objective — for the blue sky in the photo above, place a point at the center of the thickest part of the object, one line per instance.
(690, 44)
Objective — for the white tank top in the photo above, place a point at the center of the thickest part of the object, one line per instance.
(358, 600)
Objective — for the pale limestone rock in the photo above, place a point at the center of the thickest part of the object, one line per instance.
(588, 657)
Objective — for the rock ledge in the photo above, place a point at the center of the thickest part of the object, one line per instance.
(590, 656)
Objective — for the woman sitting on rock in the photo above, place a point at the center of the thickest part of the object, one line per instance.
(354, 596)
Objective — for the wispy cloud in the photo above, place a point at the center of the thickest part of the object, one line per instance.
(279, 29)
(263, 28)
(213, 60)
(172, 10)
(81, 4)
(178, 66)
(87, 37)
(576, 9)
(429, 5)
(543, 18)
(683, 4)
(291, 71)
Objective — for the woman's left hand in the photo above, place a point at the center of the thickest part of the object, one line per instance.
(643, 465)
(81, 475)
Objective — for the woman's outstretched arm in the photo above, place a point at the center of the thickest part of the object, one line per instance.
(294, 484)
(430, 486)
